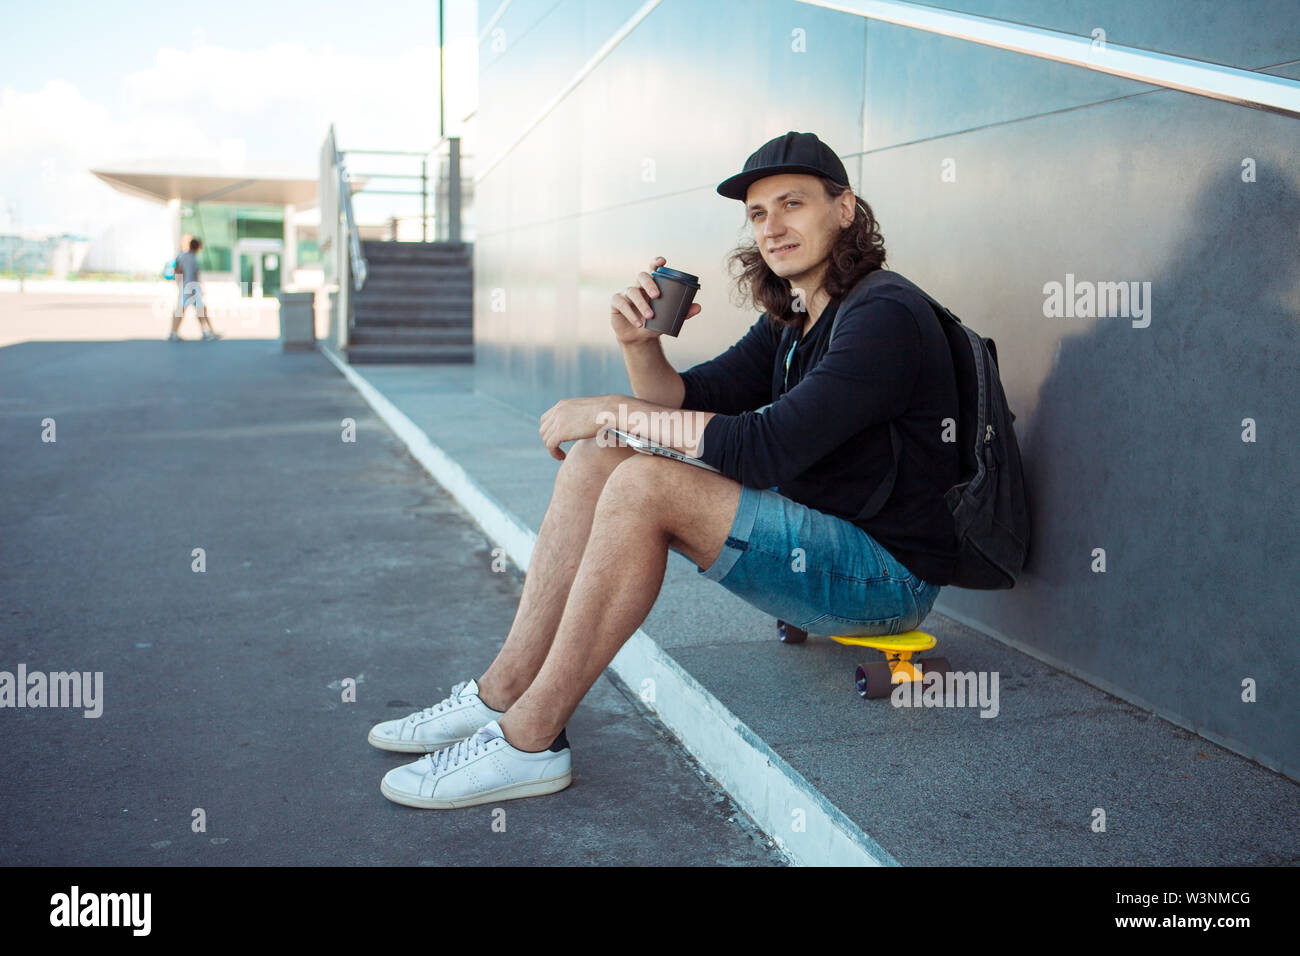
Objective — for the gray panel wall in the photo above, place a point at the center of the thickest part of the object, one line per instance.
(1132, 437)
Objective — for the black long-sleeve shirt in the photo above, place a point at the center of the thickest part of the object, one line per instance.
(821, 436)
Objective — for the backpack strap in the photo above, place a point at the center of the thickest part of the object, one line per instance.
(882, 492)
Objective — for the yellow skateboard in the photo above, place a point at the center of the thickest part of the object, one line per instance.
(876, 679)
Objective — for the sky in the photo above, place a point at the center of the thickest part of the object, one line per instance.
(88, 85)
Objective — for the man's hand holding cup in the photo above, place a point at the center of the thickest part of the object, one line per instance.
(642, 312)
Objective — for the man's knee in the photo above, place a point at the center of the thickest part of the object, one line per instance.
(587, 457)
(642, 483)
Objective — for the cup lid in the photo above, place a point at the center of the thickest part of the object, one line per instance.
(683, 277)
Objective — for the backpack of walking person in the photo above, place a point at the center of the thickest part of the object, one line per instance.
(169, 272)
(988, 505)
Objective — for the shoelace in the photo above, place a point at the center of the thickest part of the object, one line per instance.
(442, 705)
(449, 757)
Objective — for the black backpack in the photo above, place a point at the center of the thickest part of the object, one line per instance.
(988, 502)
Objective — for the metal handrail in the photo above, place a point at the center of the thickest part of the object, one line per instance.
(359, 266)
(422, 176)
(388, 152)
(340, 158)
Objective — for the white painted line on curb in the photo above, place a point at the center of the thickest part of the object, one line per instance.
(803, 824)
(495, 519)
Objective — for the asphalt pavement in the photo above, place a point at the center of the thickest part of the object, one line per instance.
(223, 688)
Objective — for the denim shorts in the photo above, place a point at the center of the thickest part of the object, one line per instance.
(816, 571)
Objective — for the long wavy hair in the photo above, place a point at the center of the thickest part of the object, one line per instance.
(858, 250)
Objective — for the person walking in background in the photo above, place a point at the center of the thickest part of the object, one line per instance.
(173, 272)
(187, 268)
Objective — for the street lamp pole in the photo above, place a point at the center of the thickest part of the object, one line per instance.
(442, 108)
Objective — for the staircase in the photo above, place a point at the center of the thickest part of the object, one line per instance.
(416, 306)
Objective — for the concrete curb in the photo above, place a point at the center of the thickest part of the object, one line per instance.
(803, 824)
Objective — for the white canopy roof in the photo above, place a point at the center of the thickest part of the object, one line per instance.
(214, 181)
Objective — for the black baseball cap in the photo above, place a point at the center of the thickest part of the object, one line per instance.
(791, 153)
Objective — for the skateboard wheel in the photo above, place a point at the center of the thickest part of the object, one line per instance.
(874, 680)
(791, 634)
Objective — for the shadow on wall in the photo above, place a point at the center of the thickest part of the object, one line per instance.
(1136, 448)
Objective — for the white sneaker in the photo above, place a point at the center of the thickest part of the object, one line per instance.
(453, 718)
(484, 768)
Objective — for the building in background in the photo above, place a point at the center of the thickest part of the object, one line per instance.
(258, 221)
(56, 256)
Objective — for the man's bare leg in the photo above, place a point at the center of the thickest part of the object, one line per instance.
(560, 544)
(646, 505)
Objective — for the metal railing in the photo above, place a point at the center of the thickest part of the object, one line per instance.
(422, 192)
(453, 210)
(339, 223)
(344, 183)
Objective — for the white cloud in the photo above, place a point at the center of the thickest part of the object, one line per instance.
(52, 137)
(294, 85)
(279, 101)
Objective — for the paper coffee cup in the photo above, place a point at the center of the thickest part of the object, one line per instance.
(676, 293)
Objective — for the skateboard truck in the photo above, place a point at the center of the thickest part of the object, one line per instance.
(876, 679)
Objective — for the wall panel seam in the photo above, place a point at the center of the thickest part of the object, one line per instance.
(1201, 78)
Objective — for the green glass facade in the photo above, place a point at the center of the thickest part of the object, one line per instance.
(308, 252)
(220, 225)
